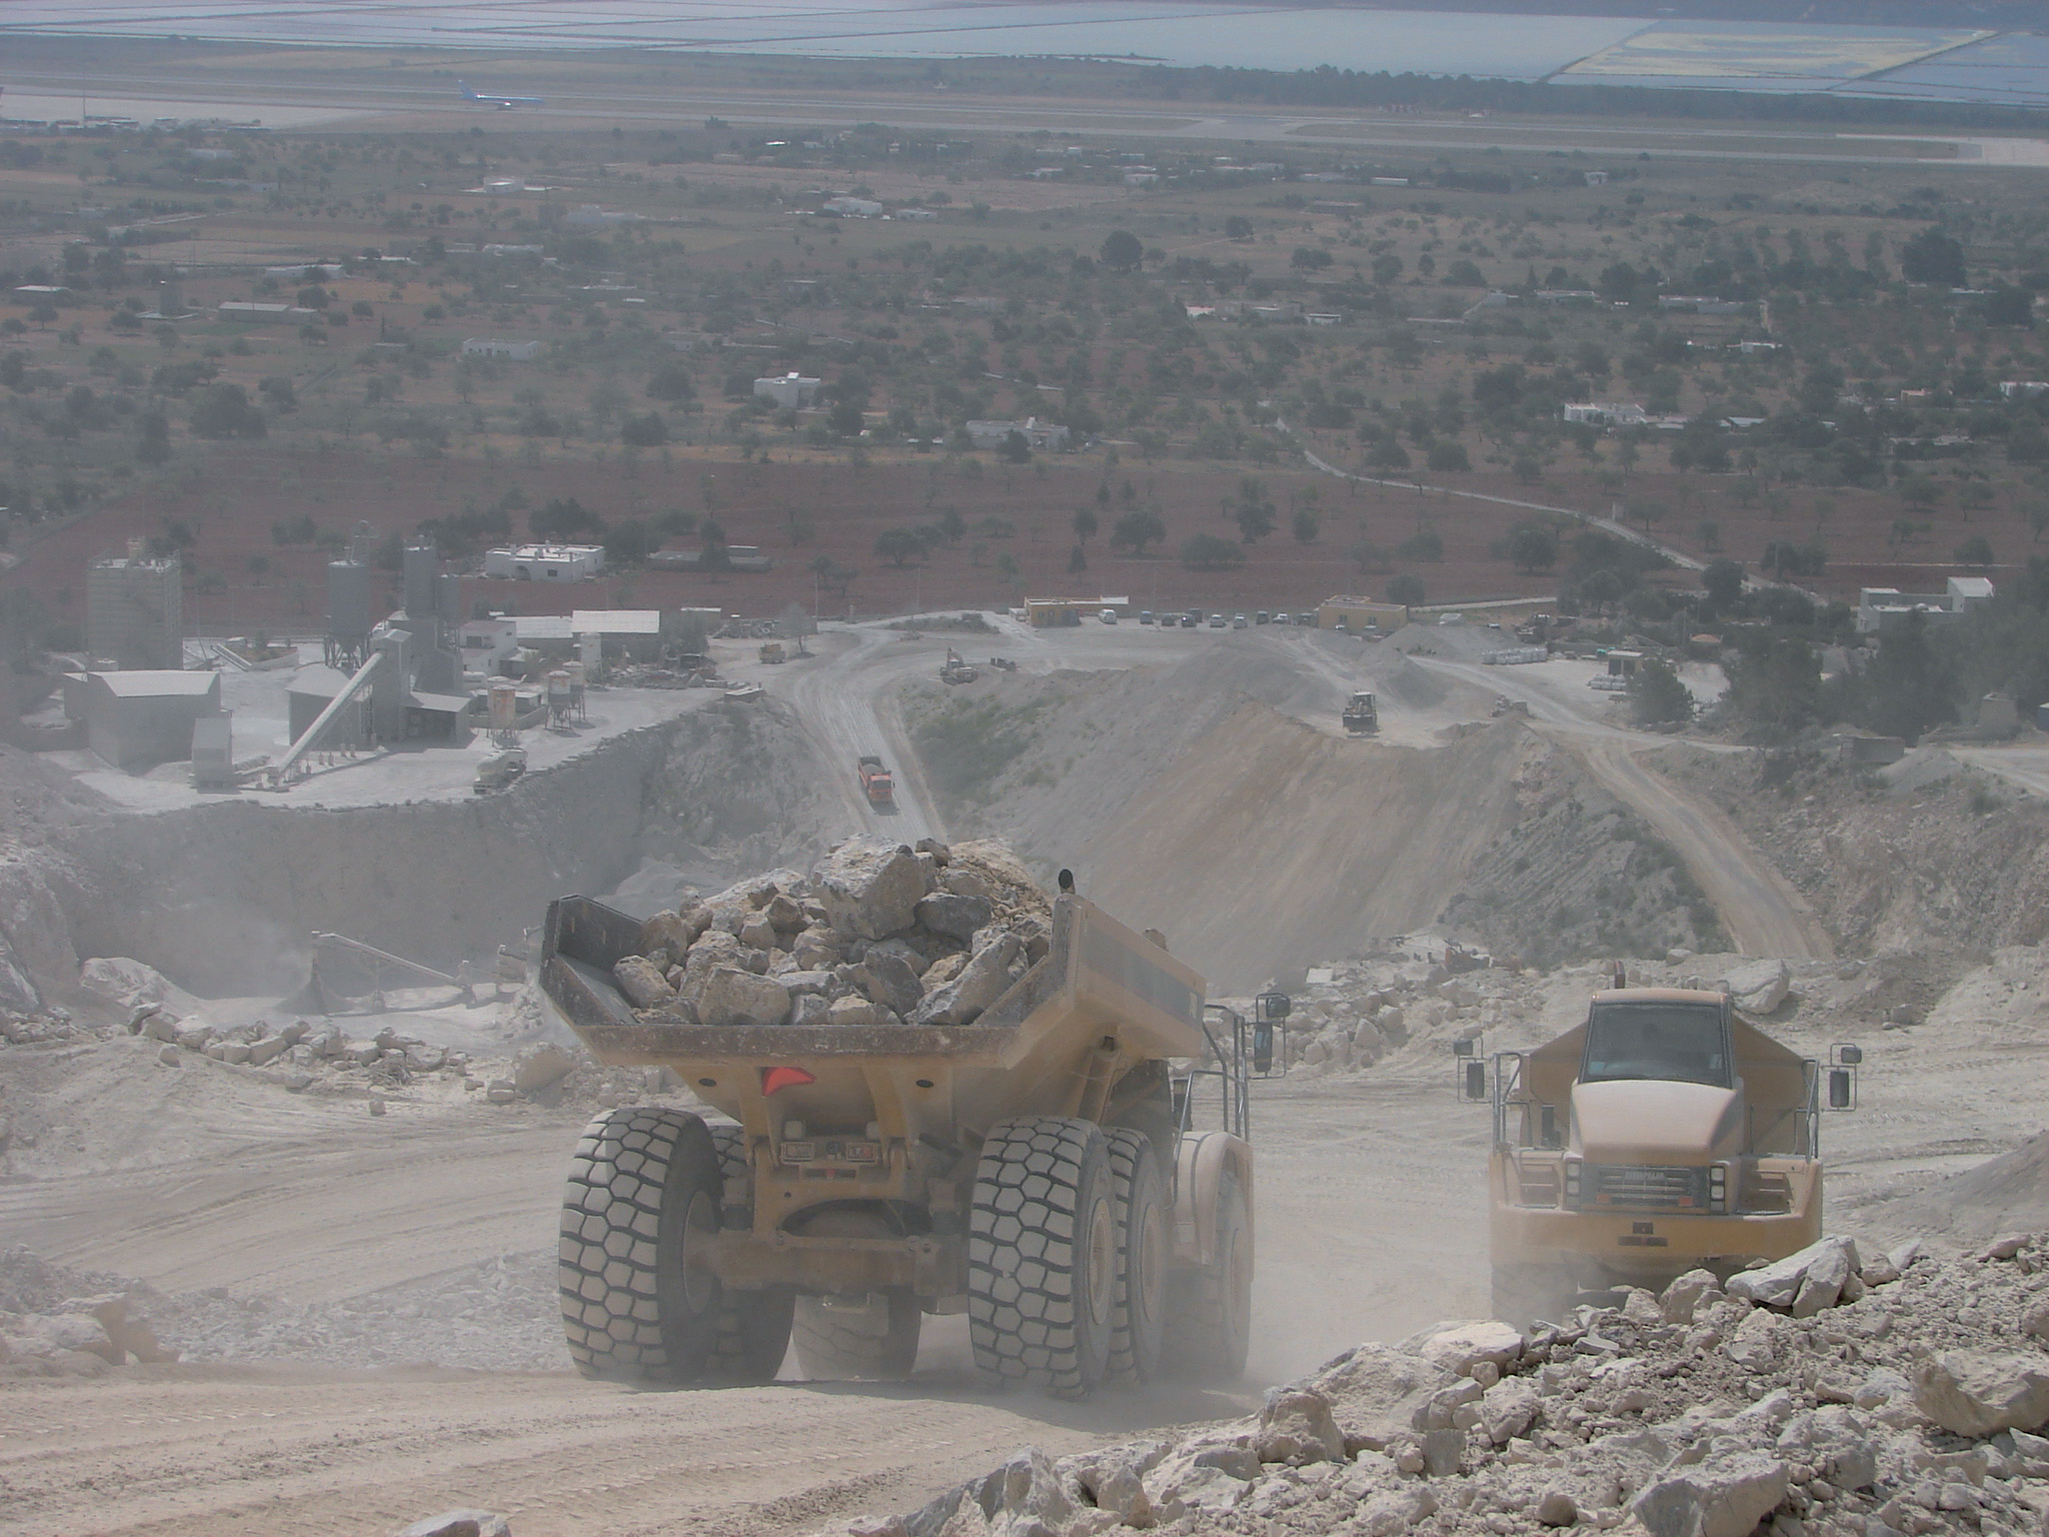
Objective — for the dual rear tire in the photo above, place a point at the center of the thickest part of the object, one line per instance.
(1069, 1241)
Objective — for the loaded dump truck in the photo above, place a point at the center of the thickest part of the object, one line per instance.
(875, 781)
(1037, 1169)
(1362, 715)
(1665, 1134)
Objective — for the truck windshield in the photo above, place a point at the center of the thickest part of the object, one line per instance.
(1678, 1042)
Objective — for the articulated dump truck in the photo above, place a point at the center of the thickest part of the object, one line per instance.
(1664, 1134)
(1038, 1170)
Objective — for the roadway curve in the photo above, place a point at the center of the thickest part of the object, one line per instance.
(1762, 910)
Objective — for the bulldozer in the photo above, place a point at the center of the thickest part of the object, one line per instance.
(1361, 715)
(1040, 1170)
(1666, 1133)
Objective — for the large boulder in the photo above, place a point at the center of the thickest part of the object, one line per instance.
(1778, 1284)
(125, 985)
(730, 996)
(540, 1065)
(870, 888)
(643, 985)
(1296, 1427)
(1758, 987)
(675, 931)
(981, 982)
(1714, 1499)
(888, 980)
(1980, 1392)
(1379, 1395)
(1459, 1347)
(955, 916)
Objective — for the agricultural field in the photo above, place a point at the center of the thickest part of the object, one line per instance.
(1803, 363)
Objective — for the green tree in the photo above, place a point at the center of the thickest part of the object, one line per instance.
(1085, 524)
(1910, 687)
(1932, 257)
(223, 411)
(1723, 581)
(1775, 689)
(1532, 548)
(1406, 589)
(1136, 529)
(1656, 696)
(899, 546)
(1210, 552)
(1121, 251)
(1975, 551)
(1017, 448)
(1447, 457)
(1307, 526)
(648, 431)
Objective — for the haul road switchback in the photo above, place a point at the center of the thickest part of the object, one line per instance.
(1038, 1169)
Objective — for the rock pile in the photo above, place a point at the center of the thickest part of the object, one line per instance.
(493, 1315)
(877, 934)
(1835, 1392)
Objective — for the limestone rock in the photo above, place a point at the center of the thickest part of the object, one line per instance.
(1778, 1284)
(460, 1523)
(1714, 1499)
(981, 982)
(1379, 1395)
(1758, 987)
(675, 931)
(1296, 1426)
(1679, 1301)
(1556, 1508)
(731, 996)
(1978, 1392)
(854, 1011)
(540, 1065)
(870, 888)
(886, 979)
(643, 984)
(954, 915)
(1509, 1409)
(1458, 1346)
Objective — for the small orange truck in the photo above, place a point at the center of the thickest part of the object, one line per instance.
(875, 781)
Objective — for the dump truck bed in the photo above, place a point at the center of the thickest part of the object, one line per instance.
(1103, 1000)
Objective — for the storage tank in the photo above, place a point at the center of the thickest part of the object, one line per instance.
(504, 704)
(348, 601)
(559, 702)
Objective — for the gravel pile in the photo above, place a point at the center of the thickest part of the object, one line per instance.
(1833, 1392)
(877, 934)
(495, 1315)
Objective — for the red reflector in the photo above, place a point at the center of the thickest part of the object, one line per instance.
(774, 1078)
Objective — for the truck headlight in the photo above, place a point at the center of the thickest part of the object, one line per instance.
(1718, 1187)
(1572, 1182)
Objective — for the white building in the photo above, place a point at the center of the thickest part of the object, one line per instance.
(591, 213)
(1044, 436)
(545, 562)
(1607, 413)
(1881, 608)
(851, 207)
(501, 347)
(791, 391)
(485, 643)
(2023, 389)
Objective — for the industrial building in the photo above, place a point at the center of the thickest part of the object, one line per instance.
(1881, 608)
(134, 611)
(790, 391)
(545, 562)
(1046, 437)
(136, 720)
(518, 351)
(1361, 614)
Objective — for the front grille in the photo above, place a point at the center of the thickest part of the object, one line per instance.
(1636, 1187)
(1537, 1181)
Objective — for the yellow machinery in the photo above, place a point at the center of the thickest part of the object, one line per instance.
(1664, 1134)
(1038, 1170)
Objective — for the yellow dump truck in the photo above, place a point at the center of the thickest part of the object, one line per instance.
(1039, 1170)
(1664, 1134)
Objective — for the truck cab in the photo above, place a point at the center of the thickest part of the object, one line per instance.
(1664, 1134)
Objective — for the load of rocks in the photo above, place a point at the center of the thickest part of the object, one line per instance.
(1834, 1392)
(877, 934)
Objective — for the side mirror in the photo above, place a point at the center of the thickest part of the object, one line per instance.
(1842, 1088)
(1850, 1056)
(1473, 1080)
(1272, 1006)
(1263, 1046)
(1462, 1048)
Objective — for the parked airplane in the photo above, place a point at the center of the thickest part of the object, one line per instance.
(502, 103)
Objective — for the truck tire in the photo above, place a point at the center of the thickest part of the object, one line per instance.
(1042, 1256)
(1209, 1310)
(1524, 1294)
(639, 1302)
(841, 1339)
(754, 1326)
(1145, 1245)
